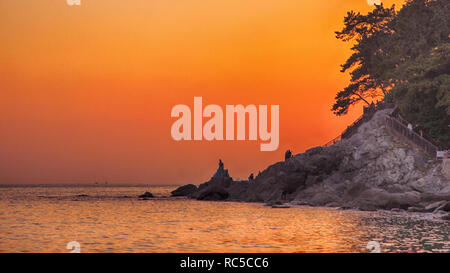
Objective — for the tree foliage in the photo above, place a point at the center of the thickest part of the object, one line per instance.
(368, 31)
(404, 57)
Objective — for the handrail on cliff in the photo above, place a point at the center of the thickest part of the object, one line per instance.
(416, 139)
(395, 122)
(334, 140)
(396, 115)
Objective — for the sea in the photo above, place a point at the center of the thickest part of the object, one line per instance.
(110, 218)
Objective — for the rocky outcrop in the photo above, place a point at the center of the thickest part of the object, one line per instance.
(213, 192)
(147, 194)
(184, 190)
(221, 187)
(221, 171)
(370, 170)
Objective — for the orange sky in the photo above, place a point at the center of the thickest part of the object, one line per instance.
(86, 91)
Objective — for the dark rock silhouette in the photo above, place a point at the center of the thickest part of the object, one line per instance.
(221, 172)
(287, 155)
(217, 188)
(147, 194)
(251, 177)
(184, 190)
(214, 193)
(82, 195)
(370, 171)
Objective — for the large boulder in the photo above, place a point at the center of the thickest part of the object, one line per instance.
(213, 193)
(444, 207)
(238, 190)
(376, 198)
(184, 190)
(147, 194)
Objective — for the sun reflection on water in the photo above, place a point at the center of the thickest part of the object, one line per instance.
(114, 220)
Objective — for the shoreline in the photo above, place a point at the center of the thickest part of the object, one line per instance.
(369, 171)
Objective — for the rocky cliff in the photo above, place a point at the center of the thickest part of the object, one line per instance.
(370, 170)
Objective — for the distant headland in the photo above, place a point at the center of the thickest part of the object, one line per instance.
(370, 170)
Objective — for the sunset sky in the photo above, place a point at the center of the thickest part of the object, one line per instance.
(86, 91)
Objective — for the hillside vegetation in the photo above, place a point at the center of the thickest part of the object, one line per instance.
(403, 57)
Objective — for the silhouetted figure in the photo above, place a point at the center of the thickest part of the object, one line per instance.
(287, 155)
(250, 178)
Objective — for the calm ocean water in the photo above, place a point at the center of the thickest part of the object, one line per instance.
(112, 219)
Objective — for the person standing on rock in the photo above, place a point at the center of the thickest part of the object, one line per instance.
(287, 155)
(250, 178)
